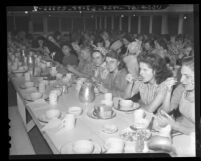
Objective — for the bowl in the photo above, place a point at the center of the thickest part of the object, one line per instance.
(36, 95)
(160, 143)
(83, 147)
(126, 103)
(29, 84)
(75, 110)
(52, 113)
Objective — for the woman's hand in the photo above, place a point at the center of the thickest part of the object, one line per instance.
(169, 82)
(70, 68)
(164, 119)
(130, 78)
(101, 88)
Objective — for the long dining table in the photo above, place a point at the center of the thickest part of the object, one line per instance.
(85, 126)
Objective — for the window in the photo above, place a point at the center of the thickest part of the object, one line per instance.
(188, 25)
(156, 24)
(109, 23)
(53, 24)
(37, 24)
(22, 23)
(173, 24)
(134, 24)
(144, 24)
(66, 24)
(10, 23)
(124, 21)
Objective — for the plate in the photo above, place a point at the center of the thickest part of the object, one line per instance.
(30, 90)
(109, 129)
(92, 114)
(131, 135)
(117, 106)
(20, 71)
(22, 86)
(42, 118)
(27, 97)
(68, 149)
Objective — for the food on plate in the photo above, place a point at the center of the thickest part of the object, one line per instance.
(109, 128)
(83, 147)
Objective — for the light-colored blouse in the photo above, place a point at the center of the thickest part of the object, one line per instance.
(147, 91)
(187, 109)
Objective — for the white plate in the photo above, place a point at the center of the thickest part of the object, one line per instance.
(92, 115)
(19, 71)
(42, 118)
(131, 135)
(117, 106)
(109, 129)
(68, 149)
(30, 90)
(28, 97)
(75, 110)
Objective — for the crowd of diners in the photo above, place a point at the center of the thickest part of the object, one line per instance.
(158, 70)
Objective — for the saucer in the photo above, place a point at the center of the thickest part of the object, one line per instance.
(27, 97)
(92, 114)
(118, 108)
(42, 118)
(109, 129)
(68, 149)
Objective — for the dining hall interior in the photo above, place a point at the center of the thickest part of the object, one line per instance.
(99, 79)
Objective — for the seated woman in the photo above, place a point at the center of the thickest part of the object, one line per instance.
(85, 66)
(183, 98)
(115, 81)
(100, 69)
(69, 58)
(152, 89)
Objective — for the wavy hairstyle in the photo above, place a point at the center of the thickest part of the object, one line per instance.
(158, 64)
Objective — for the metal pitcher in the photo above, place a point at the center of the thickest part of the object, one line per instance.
(86, 93)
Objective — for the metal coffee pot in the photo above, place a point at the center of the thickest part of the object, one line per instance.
(86, 93)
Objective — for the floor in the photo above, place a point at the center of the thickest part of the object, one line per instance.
(20, 143)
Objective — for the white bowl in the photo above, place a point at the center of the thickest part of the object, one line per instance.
(52, 113)
(83, 147)
(126, 103)
(36, 95)
(75, 110)
(29, 84)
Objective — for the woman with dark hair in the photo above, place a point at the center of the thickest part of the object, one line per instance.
(154, 72)
(85, 66)
(69, 58)
(183, 98)
(115, 81)
(53, 51)
(148, 46)
(100, 69)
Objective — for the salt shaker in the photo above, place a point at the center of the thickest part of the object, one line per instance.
(139, 143)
